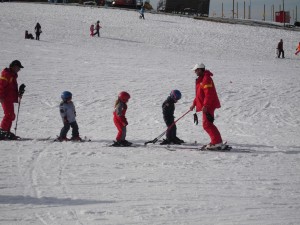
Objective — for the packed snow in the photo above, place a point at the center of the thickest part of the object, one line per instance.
(44, 182)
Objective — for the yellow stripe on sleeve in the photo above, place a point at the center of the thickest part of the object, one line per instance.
(3, 78)
(208, 86)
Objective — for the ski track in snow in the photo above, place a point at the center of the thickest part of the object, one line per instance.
(44, 182)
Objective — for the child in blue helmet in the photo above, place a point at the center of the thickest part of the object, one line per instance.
(168, 108)
(68, 115)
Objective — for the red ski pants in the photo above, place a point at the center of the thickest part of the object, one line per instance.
(121, 129)
(211, 129)
(9, 115)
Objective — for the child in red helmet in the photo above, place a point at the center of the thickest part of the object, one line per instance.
(120, 119)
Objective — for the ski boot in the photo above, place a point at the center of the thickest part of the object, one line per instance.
(125, 143)
(117, 144)
(77, 138)
(177, 141)
(7, 135)
(61, 139)
(11, 136)
(165, 142)
(2, 134)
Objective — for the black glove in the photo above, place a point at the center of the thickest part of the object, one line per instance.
(196, 119)
(21, 90)
(210, 118)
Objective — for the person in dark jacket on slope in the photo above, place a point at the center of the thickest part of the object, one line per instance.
(97, 28)
(168, 108)
(280, 49)
(38, 31)
(28, 35)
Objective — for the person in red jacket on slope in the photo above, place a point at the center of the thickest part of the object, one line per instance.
(9, 94)
(92, 28)
(120, 119)
(297, 49)
(206, 100)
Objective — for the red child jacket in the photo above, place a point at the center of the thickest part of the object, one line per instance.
(8, 86)
(120, 112)
(206, 94)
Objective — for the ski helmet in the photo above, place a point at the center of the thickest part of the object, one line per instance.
(124, 96)
(198, 66)
(66, 95)
(175, 95)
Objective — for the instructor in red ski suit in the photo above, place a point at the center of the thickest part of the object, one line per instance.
(206, 100)
(9, 95)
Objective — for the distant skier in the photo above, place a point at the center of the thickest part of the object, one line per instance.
(68, 115)
(9, 94)
(92, 28)
(206, 100)
(28, 35)
(280, 49)
(168, 108)
(38, 31)
(297, 49)
(142, 11)
(98, 28)
(120, 120)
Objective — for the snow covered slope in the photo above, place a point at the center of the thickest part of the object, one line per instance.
(90, 183)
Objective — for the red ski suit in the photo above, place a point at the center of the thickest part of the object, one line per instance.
(92, 30)
(120, 120)
(8, 96)
(298, 49)
(206, 95)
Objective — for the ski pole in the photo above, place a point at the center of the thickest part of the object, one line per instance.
(162, 134)
(17, 117)
(21, 92)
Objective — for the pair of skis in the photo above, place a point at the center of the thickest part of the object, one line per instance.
(85, 139)
(163, 133)
(185, 146)
(224, 148)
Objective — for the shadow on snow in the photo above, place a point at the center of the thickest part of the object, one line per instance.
(28, 200)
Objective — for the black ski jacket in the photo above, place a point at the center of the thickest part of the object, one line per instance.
(168, 108)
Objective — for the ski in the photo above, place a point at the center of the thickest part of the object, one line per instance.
(225, 148)
(121, 146)
(181, 147)
(85, 139)
(29, 139)
(133, 145)
(195, 148)
(232, 149)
